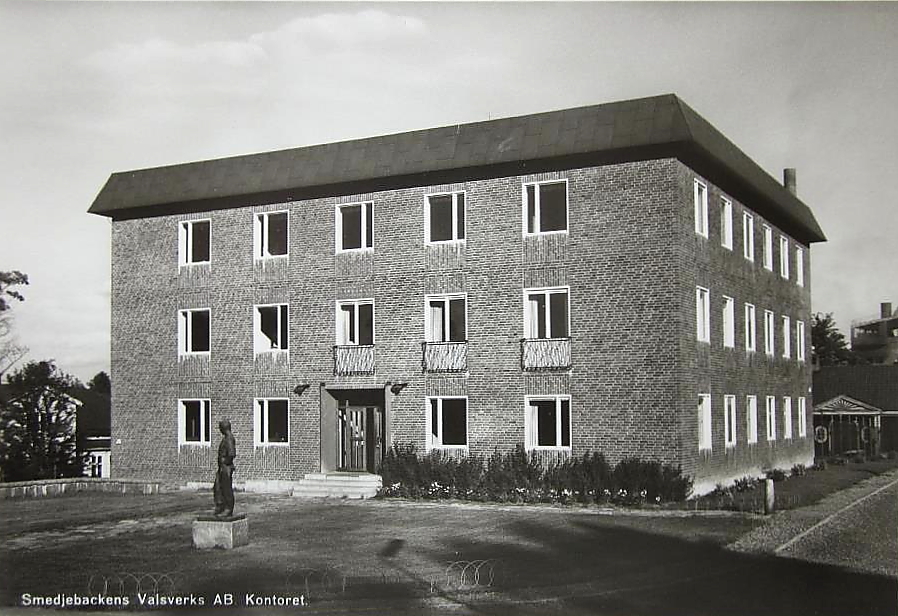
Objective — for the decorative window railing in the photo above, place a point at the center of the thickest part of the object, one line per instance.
(444, 356)
(545, 353)
(354, 359)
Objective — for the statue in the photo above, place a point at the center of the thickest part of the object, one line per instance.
(223, 488)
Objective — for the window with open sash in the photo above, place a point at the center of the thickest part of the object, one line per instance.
(271, 420)
(355, 226)
(194, 331)
(447, 422)
(546, 313)
(729, 322)
(445, 220)
(271, 236)
(194, 241)
(445, 319)
(194, 418)
(548, 422)
(700, 197)
(355, 322)
(545, 207)
(271, 328)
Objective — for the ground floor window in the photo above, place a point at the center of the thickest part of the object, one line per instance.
(729, 420)
(704, 421)
(448, 422)
(787, 417)
(194, 418)
(771, 418)
(547, 422)
(751, 419)
(802, 417)
(271, 421)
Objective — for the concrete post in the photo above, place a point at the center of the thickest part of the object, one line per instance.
(768, 497)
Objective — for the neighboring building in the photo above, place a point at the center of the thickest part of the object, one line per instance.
(93, 426)
(617, 278)
(876, 339)
(858, 409)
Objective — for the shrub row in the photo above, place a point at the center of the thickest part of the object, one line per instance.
(516, 476)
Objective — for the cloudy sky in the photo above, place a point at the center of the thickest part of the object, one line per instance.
(91, 88)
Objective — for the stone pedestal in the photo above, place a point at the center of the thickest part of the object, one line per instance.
(229, 532)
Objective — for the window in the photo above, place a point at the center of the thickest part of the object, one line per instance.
(751, 419)
(787, 417)
(445, 217)
(194, 241)
(768, 247)
(448, 422)
(729, 322)
(355, 226)
(445, 319)
(799, 340)
(704, 421)
(784, 257)
(799, 267)
(194, 419)
(787, 337)
(702, 315)
(729, 420)
(802, 417)
(271, 330)
(748, 236)
(548, 422)
(769, 333)
(546, 313)
(270, 419)
(193, 331)
(545, 207)
(355, 322)
(700, 195)
(750, 334)
(726, 223)
(270, 235)
(771, 418)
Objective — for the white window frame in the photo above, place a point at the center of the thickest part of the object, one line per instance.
(455, 210)
(435, 442)
(205, 421)
(799, 341)
(537, 209)
(787, 337)
(259, 339)
(729, 420)
(260, 427)
(770, 409)
(799, 267)
(339, 335)
(726, 223)
(260, 235)
(700, 199)
(702, 314)
(703, 409)
(787, 417)
(784, 257)
(185, 241)
(802, 417)
(185, 332)
(338, 227)
(529, 327)
(729, 322)
(769, 333)
(751, 332)
(428, 319)
(748, 236)
(531, 429)
(768, 247)
(751, 419)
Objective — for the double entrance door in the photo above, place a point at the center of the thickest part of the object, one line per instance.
(361, 437)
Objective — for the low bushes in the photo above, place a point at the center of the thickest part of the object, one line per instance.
(517, 476)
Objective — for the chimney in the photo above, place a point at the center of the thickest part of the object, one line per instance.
(885, 310)
(789, 180)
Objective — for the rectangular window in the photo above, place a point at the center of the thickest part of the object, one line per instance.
(270, 235)
(700, 196)
(271, 328)
(355, 322)
(787, 337)
(546, 313)
(445, 318)
(355, 226)
(787, 417)
(751, 419)
(194, 419)
(271, 421)
(799, 340)
(448, 422)
(729, 322)
(548, 422)
(768, 248)
(445, 217)
(726, 223)
(771, 418)
(702, 314)
(750, 332)
(194, 331)
(704, 421)
(769, 333)
(748, 236)
(729, 420)
(545, 207)
(802, 417)
(799, 267)
(784, 257)
(194, 241)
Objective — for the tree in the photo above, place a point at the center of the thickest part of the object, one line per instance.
(10, 350)
(828, 343)
(37, 425)
(100, 383)
(7, 280)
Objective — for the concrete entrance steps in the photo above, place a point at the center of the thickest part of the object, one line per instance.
(337, 485)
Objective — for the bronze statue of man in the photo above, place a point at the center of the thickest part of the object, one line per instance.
(223, 488)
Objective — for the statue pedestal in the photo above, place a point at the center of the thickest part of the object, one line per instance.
(228, 532)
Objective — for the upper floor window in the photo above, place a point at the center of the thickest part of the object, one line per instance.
(729, 420)
(194, 241)
(271, 421)
(784, 257)
(729, 322)
(194, 418)
(547, 422)
(748, 236)
(799, 340)
(702, 314)
(799, 267)
(355, 322)
(771, 418)
(546, 313)
(726, 223)
(270, 234)
(768, 248)
(447, 422)
(545, 207)
(355, 226)
(787, 417)
(271, 328)
(787, 337)
(445, 319)
(704, 421)
(194, 329)
(769, 332)
(700, 197)
(750, 332)
(751, 419)
(445, 217)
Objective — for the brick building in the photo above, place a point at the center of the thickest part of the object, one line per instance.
(618, 278)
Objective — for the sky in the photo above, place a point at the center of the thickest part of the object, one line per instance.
(90, 88)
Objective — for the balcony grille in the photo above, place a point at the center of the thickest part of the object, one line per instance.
(445, 356)
(354, 359)
(546, 354)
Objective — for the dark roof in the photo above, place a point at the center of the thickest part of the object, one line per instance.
(641, 129)
(875, 385)
(94, 414)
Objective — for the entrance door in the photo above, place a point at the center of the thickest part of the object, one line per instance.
(361, 437)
